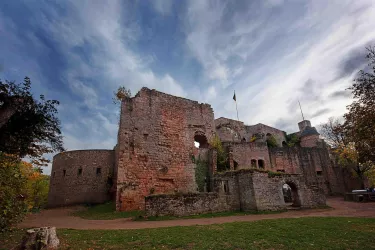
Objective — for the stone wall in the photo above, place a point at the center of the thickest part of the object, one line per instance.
(230, 130)
(313, 163)
(248, 154)
(82, 176)
(244, 190)
(156, 145)
(266, 130)
(185, 204)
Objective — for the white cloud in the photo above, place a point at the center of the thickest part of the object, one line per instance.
(312, 43)
(164, 7)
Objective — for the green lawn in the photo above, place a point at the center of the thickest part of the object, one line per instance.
(105, 211)
(301, 233)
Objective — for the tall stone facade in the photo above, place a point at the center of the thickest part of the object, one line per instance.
(156, 145)
(163, 148)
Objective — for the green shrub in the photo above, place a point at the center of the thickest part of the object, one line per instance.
(13, 205)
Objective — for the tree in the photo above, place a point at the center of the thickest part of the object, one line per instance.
(222, 156)
(333, 133)
(29, 126)
(271, 141)
(354, 140)
(360, 120)
(121, 94)
(292, 140)
(12, 191)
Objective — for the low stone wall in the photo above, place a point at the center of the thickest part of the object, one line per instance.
(185, 204)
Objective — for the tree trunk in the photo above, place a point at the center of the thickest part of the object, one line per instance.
(40, 238)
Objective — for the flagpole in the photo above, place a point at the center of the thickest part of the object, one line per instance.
(237, 112)
(235, 99)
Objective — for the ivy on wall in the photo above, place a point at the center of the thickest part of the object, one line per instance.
(201, 173)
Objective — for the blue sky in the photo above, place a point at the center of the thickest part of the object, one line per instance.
(272, 52)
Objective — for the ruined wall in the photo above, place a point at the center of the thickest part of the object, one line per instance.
(249, 154)
(309, 141)
(156, 145)
(313, 163)
(185, 204)
(269, 196)
(261, 128)
(245, 190)
(230, 130)
(75, 178)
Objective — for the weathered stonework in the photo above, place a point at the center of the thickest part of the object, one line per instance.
(156, 145)
(156, 154)
(242, 190)
(76, 178)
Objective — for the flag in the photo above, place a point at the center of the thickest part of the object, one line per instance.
(234, 96)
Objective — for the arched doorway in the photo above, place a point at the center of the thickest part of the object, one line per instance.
(291, 195)
(200, 141)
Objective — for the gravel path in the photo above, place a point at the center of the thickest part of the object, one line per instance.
(61, 218)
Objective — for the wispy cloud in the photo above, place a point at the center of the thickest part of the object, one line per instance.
(271, 52)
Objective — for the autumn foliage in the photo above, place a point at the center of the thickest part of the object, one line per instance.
(23, 188)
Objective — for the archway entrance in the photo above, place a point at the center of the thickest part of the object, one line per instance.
(200, 141)
(291, 196)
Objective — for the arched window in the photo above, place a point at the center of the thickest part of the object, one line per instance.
(261, 163)
(200, 141)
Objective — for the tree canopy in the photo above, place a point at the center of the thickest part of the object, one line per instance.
(354, 139)
(28, 127)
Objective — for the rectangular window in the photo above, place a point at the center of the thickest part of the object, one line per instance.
(54, 173)
(80, 171)
(64, 172)
(319, 173)
(98, 170)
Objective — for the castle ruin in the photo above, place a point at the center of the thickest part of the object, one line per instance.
(156, 165)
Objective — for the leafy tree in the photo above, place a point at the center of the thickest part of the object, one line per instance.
(359, 122)
(333, 133)
(354, 140)
(121, 94)
(271, 141)
(222, 156)
(29, 126)
(292, 140)
(13, 205)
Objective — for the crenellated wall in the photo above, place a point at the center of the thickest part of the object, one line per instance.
(156, 145)
(75, 178)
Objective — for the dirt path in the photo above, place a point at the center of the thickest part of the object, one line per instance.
(61, 217)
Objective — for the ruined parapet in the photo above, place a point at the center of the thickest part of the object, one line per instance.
(81, 176)
(156, 149)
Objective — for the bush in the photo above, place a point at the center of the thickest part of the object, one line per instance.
(13, 205)
(222, 156)
(271, 142)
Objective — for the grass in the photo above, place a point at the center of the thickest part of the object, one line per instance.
(297, 233)
(106, 211)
